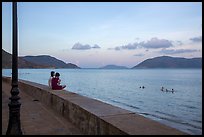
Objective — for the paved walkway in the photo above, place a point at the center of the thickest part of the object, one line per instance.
(36, 118)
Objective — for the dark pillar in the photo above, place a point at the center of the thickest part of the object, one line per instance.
(14, 125)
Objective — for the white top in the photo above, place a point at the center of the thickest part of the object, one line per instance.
(50, 82)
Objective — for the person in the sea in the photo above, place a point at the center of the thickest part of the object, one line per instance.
(162, 88)
(172, 90)
(56, 83)
(52, 75)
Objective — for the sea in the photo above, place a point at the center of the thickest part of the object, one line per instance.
(137, 90)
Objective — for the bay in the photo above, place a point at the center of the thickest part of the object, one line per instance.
(181, 109)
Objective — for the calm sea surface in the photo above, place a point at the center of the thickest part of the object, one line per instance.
(181, 109)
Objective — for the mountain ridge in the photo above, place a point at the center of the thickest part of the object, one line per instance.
(41, 61)
(170, 62)
(47, 61)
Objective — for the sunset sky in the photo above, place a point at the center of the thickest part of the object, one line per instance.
(95, 34)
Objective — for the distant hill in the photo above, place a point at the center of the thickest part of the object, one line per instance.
(35, 62)
(170, 62)
(113, 67)
(49, 61)
(7, 62)
(6, 59)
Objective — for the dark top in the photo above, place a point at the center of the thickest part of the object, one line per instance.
(55, 85)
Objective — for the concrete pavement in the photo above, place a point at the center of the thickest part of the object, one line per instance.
(36, 118)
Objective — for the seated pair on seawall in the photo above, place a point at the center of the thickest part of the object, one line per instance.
(172, 90)
(54, 81)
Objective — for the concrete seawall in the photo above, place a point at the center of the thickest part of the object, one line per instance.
(92, 116)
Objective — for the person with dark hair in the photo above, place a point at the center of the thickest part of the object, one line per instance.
(52, 75)
(56, 83)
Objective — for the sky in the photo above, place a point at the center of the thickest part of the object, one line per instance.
(95, 34)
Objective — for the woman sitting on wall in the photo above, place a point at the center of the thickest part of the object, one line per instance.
(56, 83)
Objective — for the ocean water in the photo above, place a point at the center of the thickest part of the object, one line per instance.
(181, 109)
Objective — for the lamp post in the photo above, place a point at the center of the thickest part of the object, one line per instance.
(14, 125)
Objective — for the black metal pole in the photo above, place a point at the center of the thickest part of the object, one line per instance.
(14, 125)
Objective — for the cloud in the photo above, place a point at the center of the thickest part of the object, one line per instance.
(178, 51)
(130, 46)
(196, 39)
(117, 48)
(156, 43)
(179, 42)
(139, 55)
(79, 46)
(96, 46)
